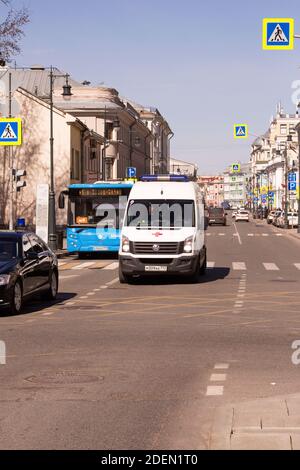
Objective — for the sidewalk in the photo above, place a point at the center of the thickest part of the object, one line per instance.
(262, 424)
(291, 232)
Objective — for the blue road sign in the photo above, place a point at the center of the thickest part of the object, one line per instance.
(131, 172)
(292, 177)
(10, 131)
(271, 194)
(292, 186)
(255, 199)
(278, 33)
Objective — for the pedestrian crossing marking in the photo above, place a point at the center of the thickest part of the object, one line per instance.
(270, 267)
(84, 265)
(111, 267)
(211, 264)
(297, 265)
(239, 266)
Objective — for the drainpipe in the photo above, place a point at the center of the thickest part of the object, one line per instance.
(171, 135)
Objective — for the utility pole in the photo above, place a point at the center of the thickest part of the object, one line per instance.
(11, 163)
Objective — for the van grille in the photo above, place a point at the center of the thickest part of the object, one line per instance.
(164, 248)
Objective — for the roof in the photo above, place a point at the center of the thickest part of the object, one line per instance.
(171, 190)
(37, 81)
(103, 185)
(12, 234)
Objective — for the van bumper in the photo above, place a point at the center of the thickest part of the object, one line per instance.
(185, 265)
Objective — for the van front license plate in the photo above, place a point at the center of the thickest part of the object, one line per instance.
(153, 269)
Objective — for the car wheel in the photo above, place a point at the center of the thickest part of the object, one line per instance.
(51, 293)
(16, 302)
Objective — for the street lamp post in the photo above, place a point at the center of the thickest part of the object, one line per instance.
(52, 237)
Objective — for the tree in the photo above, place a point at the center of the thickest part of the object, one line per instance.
(11, 31)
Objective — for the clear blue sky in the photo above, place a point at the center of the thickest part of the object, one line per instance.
(200, 62)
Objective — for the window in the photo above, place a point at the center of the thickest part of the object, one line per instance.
(27, 248)
(283, 129)
(292, 130)
(75, 164)
(8, 249)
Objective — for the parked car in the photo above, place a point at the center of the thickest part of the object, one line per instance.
(27, 267)
(270, 217)
(242, 215)
(216, 215)
(292, 219)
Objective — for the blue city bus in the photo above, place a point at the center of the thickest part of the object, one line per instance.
(95, 214)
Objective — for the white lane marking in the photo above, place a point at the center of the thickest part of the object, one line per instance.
(265, 234)
(218, 377)
(84, 265)
(47, 314)
(114, 281)
(208, 234)
(97, 290)
(279, 234)
(250, 234)
(297, 265)
(83, 297)
(237, 233)
(239, 266)
(104, 287)
(214, 390)
(222, 234)
(111, 267)
(240, 296)
(61, 263)
(211, 264)
(90, 294)
(70, 303)
(69, 277)
(221, 366)
(270, 267)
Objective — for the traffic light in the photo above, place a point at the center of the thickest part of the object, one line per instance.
(18, 174)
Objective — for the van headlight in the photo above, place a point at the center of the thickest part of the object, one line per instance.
(188, 245)
(125, 244)
(4, 279)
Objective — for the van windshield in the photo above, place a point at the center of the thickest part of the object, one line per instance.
(160, 214)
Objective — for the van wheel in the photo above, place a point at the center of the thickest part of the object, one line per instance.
(123, 278)
(194, 278)
(16, 302)
(203, 267)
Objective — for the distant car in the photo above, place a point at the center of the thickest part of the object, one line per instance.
(270, 217)
(242, 215)
(276, 217)
(216, 215)
(27, 267)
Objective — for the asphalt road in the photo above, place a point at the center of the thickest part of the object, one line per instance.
(147, 366)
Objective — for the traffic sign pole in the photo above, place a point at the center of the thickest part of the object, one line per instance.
(11, 166)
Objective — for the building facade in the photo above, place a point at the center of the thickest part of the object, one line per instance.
(236, 186)
(212, 189)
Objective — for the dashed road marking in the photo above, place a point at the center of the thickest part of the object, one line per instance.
(214, 390)
(114, 281)
(218, 377)
(221, 366)
(211, 264)
(297, 265)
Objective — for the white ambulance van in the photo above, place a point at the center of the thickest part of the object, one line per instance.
(163, 229)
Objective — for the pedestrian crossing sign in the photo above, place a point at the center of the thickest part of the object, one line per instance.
(278, 34)
(236, 168)
(10, 131)
(241, 131)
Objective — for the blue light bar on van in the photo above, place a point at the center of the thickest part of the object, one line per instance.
(178, 178)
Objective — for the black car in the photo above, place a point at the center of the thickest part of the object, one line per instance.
(27, 267)
(216, 215)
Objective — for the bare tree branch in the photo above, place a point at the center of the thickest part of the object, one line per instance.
(11, 31)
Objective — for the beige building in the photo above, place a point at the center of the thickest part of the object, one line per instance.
(273, 155)
(71, 138)
(213, 189)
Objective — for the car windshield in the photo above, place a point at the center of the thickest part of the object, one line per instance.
(8, 249)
